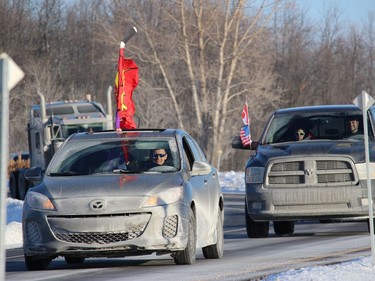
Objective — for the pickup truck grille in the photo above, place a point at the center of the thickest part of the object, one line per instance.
(311, 171)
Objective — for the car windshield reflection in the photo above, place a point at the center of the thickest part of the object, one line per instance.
(115, 157)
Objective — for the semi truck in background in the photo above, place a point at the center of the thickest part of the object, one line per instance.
(49, 125)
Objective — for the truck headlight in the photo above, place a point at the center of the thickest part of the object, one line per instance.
(36, 200)
(166, 197)
(254, 175)
(361, 169)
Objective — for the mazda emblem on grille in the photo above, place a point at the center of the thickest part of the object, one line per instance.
(97, 205)
(308, 172)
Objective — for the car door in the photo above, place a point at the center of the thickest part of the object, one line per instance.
(201, 189)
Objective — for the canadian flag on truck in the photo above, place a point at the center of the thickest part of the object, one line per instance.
(245, 130)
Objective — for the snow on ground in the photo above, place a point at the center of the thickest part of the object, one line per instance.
(232, 182)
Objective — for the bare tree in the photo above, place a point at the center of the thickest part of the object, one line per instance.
(199, 61)
(202, 64)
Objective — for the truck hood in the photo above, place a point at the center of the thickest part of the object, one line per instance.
(352, 149)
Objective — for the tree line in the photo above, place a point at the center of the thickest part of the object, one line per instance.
(199, 61)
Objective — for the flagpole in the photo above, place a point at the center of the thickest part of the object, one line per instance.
(248, 123)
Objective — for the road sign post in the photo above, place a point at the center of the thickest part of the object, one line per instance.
(10, 75)
(364, 102)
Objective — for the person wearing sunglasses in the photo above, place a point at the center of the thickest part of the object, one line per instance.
(300, 135)
(159, 156)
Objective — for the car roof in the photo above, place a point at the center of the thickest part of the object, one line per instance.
(141, 133)
(318, 108)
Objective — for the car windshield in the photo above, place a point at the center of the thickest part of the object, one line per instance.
(322, 125)
(114, 156)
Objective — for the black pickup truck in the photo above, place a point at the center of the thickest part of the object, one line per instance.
(321, 176)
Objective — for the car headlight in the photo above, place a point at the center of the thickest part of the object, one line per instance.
(254, 174)
(166, 197)
(36, 200)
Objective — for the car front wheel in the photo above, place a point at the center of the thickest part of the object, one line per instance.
(187, 256)
(37, 263)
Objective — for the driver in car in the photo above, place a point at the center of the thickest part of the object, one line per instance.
(159, 156)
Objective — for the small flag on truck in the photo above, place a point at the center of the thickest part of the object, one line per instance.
(245, 130)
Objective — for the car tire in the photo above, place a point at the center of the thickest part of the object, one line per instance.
(187, 256)
(283, 227)
(216, 251)
(256, 229)
(37, 263)
(13, 185)
(74, 260)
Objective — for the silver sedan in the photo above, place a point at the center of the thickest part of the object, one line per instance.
(104, 194)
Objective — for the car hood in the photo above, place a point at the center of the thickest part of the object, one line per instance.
(73, 194)
(94, 185)
(352, 149)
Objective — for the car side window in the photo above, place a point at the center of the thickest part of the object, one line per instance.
(197, 150)
(192, 151)
(188, 153)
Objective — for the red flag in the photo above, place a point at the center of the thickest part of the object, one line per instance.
(126, 81)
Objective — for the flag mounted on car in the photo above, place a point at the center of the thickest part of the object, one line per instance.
(125, 83)
(245, 130)
(245, 135)
(245, 115)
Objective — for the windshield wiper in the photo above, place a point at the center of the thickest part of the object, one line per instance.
(121, 171)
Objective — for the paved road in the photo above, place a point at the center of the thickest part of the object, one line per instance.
(244, 258)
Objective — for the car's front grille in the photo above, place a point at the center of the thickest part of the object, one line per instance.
(98, 229)
(98, 238)
(311, 171)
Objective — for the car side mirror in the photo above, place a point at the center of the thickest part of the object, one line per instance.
(237, 144)
(34, 174)
(200, 168)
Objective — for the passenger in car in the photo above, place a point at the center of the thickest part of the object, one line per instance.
(354, 125)
(300, 134)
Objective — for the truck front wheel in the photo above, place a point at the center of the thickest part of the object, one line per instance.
(256, 229)
(283, 227)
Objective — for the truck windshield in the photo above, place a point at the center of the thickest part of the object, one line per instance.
(68, 130)
(321, 125)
